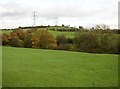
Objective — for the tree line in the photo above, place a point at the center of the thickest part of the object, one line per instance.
(93, 41)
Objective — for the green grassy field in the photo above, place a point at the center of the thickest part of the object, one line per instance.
(52, 68)
(5, 32)
(67, 34)
(54, 33)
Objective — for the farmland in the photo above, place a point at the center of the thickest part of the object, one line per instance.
(59, 44)
(5, 31)
(67, 34)
(54, 33)
(27, 67)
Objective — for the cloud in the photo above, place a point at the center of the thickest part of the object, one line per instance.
(12, 11)
(16, 12)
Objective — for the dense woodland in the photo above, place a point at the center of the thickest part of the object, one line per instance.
(94, 40)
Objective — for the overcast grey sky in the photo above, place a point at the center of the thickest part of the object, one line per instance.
(87, 13)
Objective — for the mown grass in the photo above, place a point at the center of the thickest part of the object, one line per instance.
(52, 68)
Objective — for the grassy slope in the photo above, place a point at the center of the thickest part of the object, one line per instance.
(67, 34)
(5, 32)
(54, 33)
(51, 68)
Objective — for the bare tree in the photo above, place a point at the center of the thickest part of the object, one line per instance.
(102, 27)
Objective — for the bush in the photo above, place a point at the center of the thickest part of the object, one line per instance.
(118, 44)
(43, 39)
(63, 47)
(70, 40)
(65, 43)
(15, 42)
(32, 30)
(27, 41)
(97, 42)
(19, 33)
(22, 36)
(72, 47)
(6, 39)
(0, 40)
(61, 39)
(108, 43)
(86, 42)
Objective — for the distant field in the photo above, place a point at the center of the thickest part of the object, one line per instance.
(24, 67)
(54, 33)
(67, 34)
(54, 27)
(6, 32)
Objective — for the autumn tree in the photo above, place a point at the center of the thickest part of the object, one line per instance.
(43, 39)
(20, 33)
(6, 39)
(20, 38)
(15, 42)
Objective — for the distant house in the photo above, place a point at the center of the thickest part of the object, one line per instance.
(67, 26)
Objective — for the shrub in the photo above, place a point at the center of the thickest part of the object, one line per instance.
(27, 41)
(35, 42)
(20, 33)
(43, 39)
(15, 42)
(61, 39)
(23, 36)
(72, 47)
(109, 43)
(118, 44)
(0, 40)
(65, 43)
(63, 47)
(6, 39)
(97, 41)
(32, 30)
(86, 42)
(70, 40)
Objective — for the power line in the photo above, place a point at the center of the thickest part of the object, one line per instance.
(56, 20)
